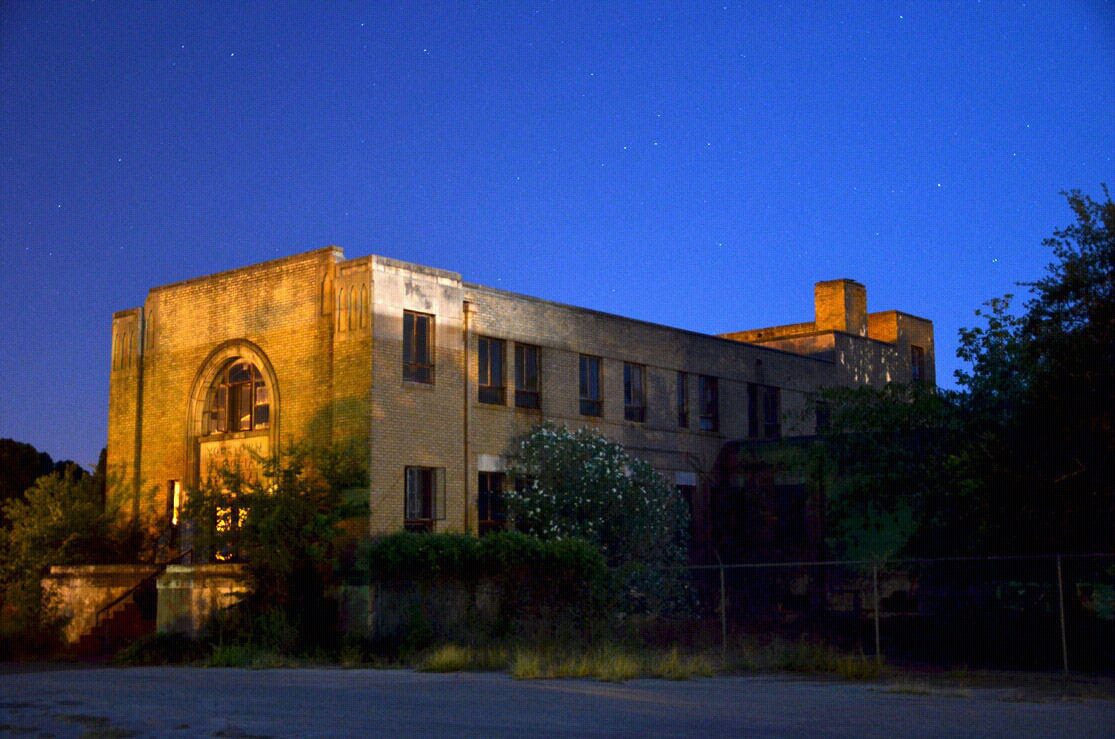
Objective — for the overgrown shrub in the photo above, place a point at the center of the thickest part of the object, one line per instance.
(60, 520)
(432, 587)
(578, 484)
(162, 649)
(282, 515)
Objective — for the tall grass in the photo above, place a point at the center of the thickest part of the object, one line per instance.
(610, 664)
(455, 658)
(801, 657)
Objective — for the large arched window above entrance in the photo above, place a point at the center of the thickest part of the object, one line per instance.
(238, 400)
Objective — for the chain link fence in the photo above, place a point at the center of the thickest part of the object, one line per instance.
(1050, 612)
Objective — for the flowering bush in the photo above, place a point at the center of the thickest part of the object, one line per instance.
(580, 484)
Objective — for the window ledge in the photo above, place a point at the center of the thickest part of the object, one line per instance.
(234, 435)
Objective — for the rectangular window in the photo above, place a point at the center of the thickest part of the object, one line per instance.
(710, 403)
(917, 364)
(683, 400)
(418, 347)
(764, 411)
(772, 412)
(425, 497)
(634, 395)
(174, 501)
(491, 512)
(590, 386)
(822, 416)
(490, 357)
(527, 386)
(790, 501)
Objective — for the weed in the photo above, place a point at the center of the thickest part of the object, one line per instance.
(245, 655)
(675, 666)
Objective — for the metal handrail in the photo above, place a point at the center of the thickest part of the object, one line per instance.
(159, 569)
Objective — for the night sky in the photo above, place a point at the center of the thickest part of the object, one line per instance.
(699, 165)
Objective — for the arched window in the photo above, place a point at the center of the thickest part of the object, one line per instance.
(238, 400)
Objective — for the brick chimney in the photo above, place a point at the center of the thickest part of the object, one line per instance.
(841, 305)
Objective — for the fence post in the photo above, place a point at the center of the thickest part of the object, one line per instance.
(875, 587)
(723, 617)
(1061, 612)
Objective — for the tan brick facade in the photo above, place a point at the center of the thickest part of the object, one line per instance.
(327, 336)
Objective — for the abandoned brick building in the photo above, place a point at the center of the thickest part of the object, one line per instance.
(434, 377)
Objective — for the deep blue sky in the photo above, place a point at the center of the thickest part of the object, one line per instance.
(695, 164)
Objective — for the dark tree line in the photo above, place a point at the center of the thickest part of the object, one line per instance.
(1021, 459)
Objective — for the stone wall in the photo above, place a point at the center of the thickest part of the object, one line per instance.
(77, 592)
(189, 594)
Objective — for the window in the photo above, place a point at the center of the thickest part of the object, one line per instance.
(790, 503)
(634, 395)
(764, 412)
(239, 400)
(492, 514)
(683, 400)
(490, 356)
(590, 386)
(174, 501)
(772, 412)
(822, 416)
(710, 403)
(917, 364)
(526, 376)
(418, 347)
(425, 497)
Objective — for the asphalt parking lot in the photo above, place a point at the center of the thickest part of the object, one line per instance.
(186, 701)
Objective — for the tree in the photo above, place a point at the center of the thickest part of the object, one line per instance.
(282, 516)
(580, 484)
(60, 520)
(1040, 395)
(887, 466)
(20, 465)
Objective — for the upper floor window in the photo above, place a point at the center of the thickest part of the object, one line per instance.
(634, 394)
(710, 403)
(418, 347)
(683, 400)
(590, 386)
(917, 364)
(764, 411)
(527, 385)
(239, 400)
(425, 497)
(490, 356)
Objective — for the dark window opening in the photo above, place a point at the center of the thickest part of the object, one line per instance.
(764, 411)
(527, 393)
(823, 416)
(634, 394)
(790, 501)
(491, 510)
(591, 404)
(418, 347)
(490, 356)
(424, 497)
(772, 412)
(710, 403)
(917, 364)
(683, 400)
